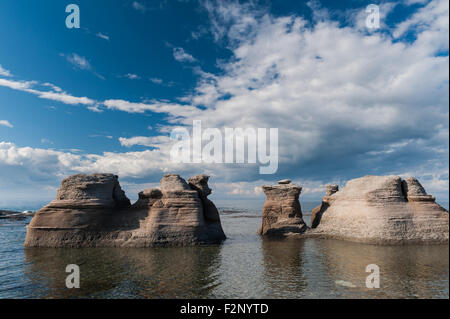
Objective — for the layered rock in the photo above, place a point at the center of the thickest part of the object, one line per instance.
(282, 213)
(381, 210)
(316, 213)
(93, 211)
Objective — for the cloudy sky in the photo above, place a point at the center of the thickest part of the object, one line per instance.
(348, 101)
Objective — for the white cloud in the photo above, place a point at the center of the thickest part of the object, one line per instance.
(79, 61)
(6, 123)
(103, 36)
(4, 72)
(82, 63)
(411, 2)
(347, 103)
(430, 24)
(182, 56)
(54, 95)
(101, 135)
(132, 76)
(52, 162)
(17, 85)
(154, 141)
(175, 110)
(52, 86)
(156, 80)
(232, 19)
(138, 6)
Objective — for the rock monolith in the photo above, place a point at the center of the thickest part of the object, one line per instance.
(93, 211)
(381, 210)
(282, 213)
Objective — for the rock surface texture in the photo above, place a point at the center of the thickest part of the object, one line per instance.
(381, 210)
(282, 213)
(93, 211)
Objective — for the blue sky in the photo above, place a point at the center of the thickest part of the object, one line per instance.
(348, 101)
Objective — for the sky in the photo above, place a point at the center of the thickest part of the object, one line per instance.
(348, 101)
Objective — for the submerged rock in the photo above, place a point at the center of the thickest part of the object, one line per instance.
(381, 210)
(282, 213)
(93, 211)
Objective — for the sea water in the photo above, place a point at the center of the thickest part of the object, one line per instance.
(244, 266)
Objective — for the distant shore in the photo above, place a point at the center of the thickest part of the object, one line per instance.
(8, 214)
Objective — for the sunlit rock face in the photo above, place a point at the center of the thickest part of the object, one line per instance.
(282, 213)
(381, 210)
(93, 211)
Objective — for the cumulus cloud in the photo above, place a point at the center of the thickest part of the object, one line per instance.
(182, 56)
(429, 25)
(346, 102)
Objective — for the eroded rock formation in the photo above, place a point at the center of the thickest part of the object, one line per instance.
(316, 213)
(93, 211)
(282, 213)
(381, 210)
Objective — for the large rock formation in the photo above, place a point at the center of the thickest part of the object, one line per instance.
(93, 211)
(282, 213)
(381, 210)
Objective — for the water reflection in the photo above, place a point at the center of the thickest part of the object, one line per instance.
(283, 262)
(245, 266)
(185, 272)
(405, 271)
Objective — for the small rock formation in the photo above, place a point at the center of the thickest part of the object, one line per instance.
(381, 210)
(282, 213)
(316, 213)
(93, 211)
(200, 184)
(8, 214)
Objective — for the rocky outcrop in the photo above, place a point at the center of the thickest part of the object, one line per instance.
(93, 211)
(282, 213)
(381, 210)
(317, 212)
(8, 214)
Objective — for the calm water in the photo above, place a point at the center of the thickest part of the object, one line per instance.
(245, 266)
